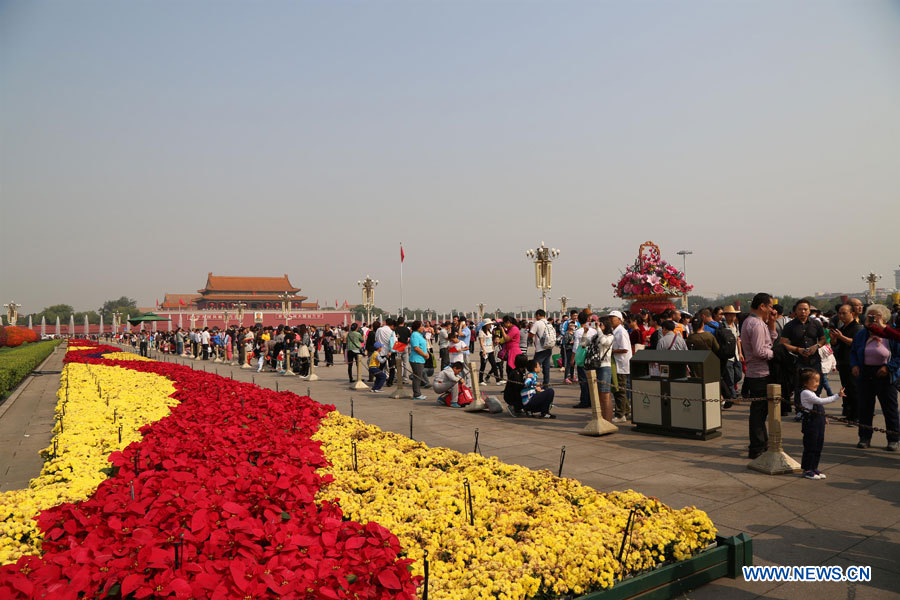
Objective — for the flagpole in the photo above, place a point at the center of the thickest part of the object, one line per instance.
(401, 278)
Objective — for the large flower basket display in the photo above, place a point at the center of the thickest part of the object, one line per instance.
(651, 282)
(166, 482)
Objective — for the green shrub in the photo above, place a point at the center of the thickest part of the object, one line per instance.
(16, 363)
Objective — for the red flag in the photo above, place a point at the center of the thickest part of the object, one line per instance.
(181, 301)
(402, 254)
(157, 303)
(335, 304)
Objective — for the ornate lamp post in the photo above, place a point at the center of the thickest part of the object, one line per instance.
(684, 254)
(481, 311)
(871, 279)
(12, 312)
(543, 269)
(240, 313)
(286, 307)
(563, 306)
(368, 295)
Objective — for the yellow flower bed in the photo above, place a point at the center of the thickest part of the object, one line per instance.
(534, 533)
(87, 437)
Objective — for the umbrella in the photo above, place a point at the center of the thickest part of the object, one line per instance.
(146, 318)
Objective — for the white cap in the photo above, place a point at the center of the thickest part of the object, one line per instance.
(615, 313)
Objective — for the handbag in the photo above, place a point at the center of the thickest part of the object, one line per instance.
(579, 356)
(829, 363)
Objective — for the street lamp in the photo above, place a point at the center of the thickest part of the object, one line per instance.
(368, 295)
(684, 254)
(563, 306)
(871, 279)
(285, 307)
(543, 265)
(240, 313)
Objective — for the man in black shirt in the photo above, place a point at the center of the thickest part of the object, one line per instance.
(841, 339)
(802, 337)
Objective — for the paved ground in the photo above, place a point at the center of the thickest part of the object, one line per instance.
(852, 518)
(26, 425)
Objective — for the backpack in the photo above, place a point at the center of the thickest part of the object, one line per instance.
(548, 337)
(592, 357)
(727, 343)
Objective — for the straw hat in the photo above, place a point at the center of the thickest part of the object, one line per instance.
(730, 310)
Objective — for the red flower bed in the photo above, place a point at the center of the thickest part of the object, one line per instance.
(216, 501)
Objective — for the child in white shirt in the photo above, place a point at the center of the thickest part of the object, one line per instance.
(813, 422)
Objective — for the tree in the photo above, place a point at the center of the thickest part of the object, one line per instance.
(124, 305)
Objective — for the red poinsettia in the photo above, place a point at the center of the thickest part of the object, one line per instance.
(217, 501)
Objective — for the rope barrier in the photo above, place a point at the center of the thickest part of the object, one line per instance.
(743, 400)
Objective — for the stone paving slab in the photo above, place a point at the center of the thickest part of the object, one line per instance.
(849, 519)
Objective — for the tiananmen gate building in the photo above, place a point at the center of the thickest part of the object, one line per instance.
(261, 298)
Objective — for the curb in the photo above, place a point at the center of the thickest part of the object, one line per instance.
(22, 386)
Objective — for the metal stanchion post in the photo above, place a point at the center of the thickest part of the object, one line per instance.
(288, 371)
(774, 461)
(597, 426)
(359, 385)
(312, 369)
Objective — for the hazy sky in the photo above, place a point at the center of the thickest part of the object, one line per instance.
(144, 144)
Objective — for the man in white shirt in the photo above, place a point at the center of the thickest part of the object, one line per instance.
(204, 343)
(539, 335)
(622, 354)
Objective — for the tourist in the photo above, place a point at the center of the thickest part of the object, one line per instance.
(448, 381)
(465, 336)
(376, 366)
(509, 337)
(566, 346)
(814, 422)
(443, 344)
(670, 340)
(512, 393)
(328, 345)
(701, 338)
(385, 335)
(758, 333)
(802, 337)
(781, 320)
(486, 353)
(731, 356)
(145, 343)
(583, 336)
(875, 362)
(418, 352)
(403, 334)
(536, 399)
(541, 336)
(858, 308)
(354, 349)
(204, 343)
(622, 355)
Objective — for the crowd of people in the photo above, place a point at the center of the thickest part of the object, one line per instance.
(767, 345)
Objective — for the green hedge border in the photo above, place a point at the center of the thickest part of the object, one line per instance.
(16, 363)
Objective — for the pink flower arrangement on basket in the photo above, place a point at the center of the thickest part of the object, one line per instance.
(650, 275)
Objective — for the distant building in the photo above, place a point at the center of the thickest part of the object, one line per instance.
(261, 297)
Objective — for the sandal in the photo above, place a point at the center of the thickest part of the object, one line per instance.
(548, 416)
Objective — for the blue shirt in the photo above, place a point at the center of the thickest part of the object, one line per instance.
(417, 340)
(711, 327)
(465, 336)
